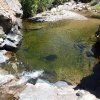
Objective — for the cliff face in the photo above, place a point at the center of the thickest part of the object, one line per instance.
(10, 24)
(10, 13)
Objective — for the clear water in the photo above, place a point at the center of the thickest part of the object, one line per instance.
(59, 48)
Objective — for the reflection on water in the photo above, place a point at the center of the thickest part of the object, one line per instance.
(59, 48)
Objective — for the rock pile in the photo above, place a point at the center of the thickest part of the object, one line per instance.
(73, 6)
(30, 87)
(64, 11)
(10, 24)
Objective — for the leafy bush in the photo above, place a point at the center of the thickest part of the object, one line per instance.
(44, 5)
(94, 2)
(57, 2)
(27, 7)
(96, 7)
(31, 7)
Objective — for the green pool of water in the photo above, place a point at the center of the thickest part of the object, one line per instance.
(59, 48)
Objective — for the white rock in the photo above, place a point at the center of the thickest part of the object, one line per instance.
(53, 10)
(25, 76)
(15, 6)
(56, 15)
(9, 43)
(3, 52)
(38, 93)
(80, 8)
(60, 7)
(44, 91)
(61, 84)
(1, 30)
(89, 8)
(16, 38)
(5, 78)
(87, 96)
(1, 40)
(42, 81)
(3, 58)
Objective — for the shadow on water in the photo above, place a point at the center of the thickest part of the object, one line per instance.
(51, 57)
(91, 83)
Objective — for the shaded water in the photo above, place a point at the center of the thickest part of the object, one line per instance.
(60, 48)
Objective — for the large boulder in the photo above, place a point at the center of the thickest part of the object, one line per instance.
(10, 24)
(23, 89)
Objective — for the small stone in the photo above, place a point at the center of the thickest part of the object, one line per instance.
(1, 30)
(14, 66)
(3, 72)
(1, 40)
(5, 78)
(89, 96)
(61, 84)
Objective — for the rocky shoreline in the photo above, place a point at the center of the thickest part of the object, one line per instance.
(69, 10)
(65, 11)
(30, 86)
(10, 35)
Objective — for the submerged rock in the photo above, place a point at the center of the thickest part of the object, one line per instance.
(80, 46)
(89, 54)
(51, 57)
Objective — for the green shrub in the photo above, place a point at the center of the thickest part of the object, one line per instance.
(57, 2)
(27, 6)
(96, 7)
(31, 7)
(44, 5)
(94, 2)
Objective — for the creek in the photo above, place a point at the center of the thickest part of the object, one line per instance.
(62, 49)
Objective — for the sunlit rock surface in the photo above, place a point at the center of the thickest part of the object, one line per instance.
(22, 89)
(64, 11)
(48, 91)
(10, 24)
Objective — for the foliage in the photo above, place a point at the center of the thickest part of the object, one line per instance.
(27, 7)
(31, 7)
(95, 4)
(44, 5)
(57, 2)
(96, 7)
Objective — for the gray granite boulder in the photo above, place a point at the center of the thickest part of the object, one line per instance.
(10, 24)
